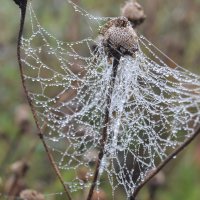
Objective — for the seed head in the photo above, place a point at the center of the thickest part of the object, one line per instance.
(119, 36)
(134, 12)
(99, 195)
(19, 168)
(83, 174)
(31, 195)
(22, 118)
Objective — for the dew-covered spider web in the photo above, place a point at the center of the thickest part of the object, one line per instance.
(153, 107)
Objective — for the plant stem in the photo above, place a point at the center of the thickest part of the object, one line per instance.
(166, 161)
(22, 4)
(106, 122)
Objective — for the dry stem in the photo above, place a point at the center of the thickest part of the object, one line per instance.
(22, 4)
(165, 162)
(116, 60)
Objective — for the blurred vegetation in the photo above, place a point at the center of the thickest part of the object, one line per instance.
(173, 26)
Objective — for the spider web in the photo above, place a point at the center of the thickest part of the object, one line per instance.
(154, 107)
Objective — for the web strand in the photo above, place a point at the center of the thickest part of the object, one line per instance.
(153, 107)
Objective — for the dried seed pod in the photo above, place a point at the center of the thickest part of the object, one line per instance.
(134, 12)
(15, 183)
(99, 195)
(157, 181)
(31, 195)
(19, 168)
(119, 37)
(23, 118)
(13, 186)
(83, 174)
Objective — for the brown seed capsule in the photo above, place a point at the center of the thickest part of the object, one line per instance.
(99, 195)
(23, 118)
(13, 186)
(158, 180)
(83, 174)
(119, 37)
(31, 195)
(15, 182)
(134, 12)
(19, 168)
(155, 183)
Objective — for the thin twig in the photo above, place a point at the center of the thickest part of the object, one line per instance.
(106, 123)
(165, 162)
(22, 4)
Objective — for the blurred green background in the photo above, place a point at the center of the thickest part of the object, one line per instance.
(173, 26)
